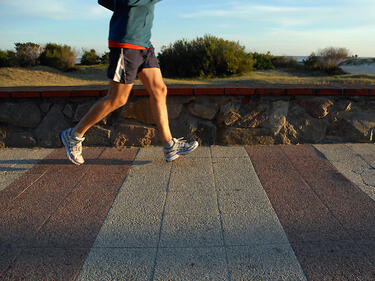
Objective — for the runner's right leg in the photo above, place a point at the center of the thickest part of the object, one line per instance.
(72, 138)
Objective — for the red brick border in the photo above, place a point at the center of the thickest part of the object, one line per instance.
(85, 93)
(239, 91)
(181, 91)
(209, 91)
(296, 91)
(189, 90)
(4, 95)
(27, 94)
(329, 92)
(55, 94)
(270, 91)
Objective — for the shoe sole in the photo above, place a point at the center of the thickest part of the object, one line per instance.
(67, 150)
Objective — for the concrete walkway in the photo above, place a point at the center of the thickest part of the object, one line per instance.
(303, 212)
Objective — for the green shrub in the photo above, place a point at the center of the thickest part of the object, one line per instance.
(206, 56)
(28, 53)
(263, 61)
(327, 60)
(284, 61)
(104, 59)
(8, 59)
(90, 58)
(62, 57)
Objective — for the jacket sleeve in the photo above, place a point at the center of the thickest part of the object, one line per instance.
(139, 2)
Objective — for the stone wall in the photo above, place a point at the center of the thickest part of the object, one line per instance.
(210, 119)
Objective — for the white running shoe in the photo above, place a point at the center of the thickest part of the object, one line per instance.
(179, 147)
(73, 146)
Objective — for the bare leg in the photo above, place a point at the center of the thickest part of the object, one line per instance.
(153, 81)
(117, 96)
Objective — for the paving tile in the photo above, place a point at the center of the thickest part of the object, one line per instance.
(118, 264)
(301, 213)
(192, 174)
(365, 150)
(239, 176)
(29, 210)
(352, 165)
(348, 203)
(8, 255)
(113, 161)
(13, 184)
(228, 151)
(191, 230)
(79, 218)
(132, 223)
(255, 225)
(134, 218)
(264, 262)
(46, 264)
(339, 260)
(191, 264)
(14, 160)
(191, 202)
(200, 152)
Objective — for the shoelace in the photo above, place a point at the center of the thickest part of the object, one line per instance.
(76, 145)
(181, 142)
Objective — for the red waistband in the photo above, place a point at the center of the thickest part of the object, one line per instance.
(115, 44)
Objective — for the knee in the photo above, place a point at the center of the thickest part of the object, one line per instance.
(159, 93)
(117, 102)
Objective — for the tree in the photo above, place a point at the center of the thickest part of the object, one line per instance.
(28, 53)
(90, 58)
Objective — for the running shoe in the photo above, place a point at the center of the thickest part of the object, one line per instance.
(179, 147)
(73, 146)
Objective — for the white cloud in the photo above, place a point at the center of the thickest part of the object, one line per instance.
(56, 9)
(360, 12)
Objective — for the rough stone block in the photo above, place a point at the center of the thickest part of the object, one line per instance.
(140, 111)
(233, 136)
(81, 110)
(98, 136)
(204, 111)
(135, 135)
(20, 114)
(47, 133)
(317, 107)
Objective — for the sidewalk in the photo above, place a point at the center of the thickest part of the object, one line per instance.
(303, 212)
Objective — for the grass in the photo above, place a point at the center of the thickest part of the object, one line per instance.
(96, 75)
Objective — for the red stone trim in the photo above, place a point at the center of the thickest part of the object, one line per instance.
(187, 91)
(329, 92)
(270, 91)
(55, 94)
(180, 91)
(103, 93)
(239, 91)
(4, 95)
(209, 91)
(85, 93)
(25, 94)
(296, 91)
(356, 92)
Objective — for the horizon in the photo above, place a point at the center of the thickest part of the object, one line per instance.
(283, 27)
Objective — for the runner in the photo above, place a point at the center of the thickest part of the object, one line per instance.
(131, 55)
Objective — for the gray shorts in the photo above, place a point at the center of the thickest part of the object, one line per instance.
(125, 64)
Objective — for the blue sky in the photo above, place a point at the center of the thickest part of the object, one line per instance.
(283, 27)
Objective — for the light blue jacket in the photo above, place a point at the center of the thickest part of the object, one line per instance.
(131, 21)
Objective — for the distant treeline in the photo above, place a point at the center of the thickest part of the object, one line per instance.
(207, 56)
(62, 57)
